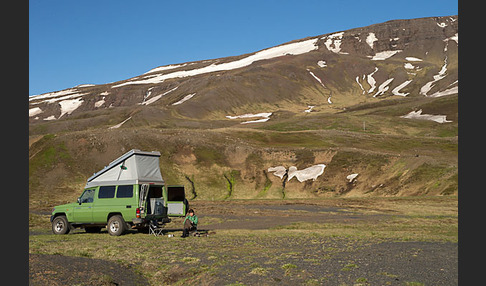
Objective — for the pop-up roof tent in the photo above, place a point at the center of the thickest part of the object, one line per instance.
(134, 167)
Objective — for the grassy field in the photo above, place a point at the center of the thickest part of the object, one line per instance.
(340, 243)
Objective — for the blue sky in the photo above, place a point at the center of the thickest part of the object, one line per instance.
(97, 42)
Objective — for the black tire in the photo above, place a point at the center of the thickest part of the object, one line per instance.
(60, 225)
(116, 225)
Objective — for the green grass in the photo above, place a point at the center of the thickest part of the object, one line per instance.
(283, 139)
(52, 151)
(289, 268)
(349, 267)
(207, 156)
(428, 172)
(251, 254)
(259, 271)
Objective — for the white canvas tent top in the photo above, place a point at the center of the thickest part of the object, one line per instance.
(134, 167)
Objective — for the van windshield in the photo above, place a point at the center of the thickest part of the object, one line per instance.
(87, 196)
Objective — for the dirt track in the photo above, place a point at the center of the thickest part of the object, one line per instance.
(267, 215)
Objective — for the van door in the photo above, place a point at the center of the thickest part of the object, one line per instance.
(154, 203)
(104, 204)
(177, 204)
(143, 195)
(126, 201)
(83, 212)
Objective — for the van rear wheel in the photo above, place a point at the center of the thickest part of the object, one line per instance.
(116, 225)
(60, 225)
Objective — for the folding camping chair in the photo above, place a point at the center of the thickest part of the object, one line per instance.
(154, 228)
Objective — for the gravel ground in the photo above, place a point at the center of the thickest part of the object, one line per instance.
(282, 261)
(311, 260)
(274, 260)
(68, 270)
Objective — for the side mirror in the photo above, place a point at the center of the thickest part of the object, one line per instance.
(79, 201)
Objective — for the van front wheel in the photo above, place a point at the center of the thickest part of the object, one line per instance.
(116, 225)
(60, 225)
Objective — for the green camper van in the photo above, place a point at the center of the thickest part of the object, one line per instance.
(128, 193)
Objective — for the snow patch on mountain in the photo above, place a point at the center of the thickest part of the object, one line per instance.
(442, 25)
(384, 55)
(278, 171)
(256, 121)
(442, 74)
(147, 94)
(383, 87)
(408, 66)
(164, 68)
(52, 117)
(396, 90)
(310, 173)
(454, 38)
(360, 85)
(316, 78)
(351, 177)
(413, 59)
(322, 64)
(333, 42)
(100, 102)
(371, 39)
(120, 124)
(322, 84)
(429, 85)
(34, 111)
(157, 97)
(56, 96)
(186, 98)
(418, 115)
(53, 94)
(306, 174)
(371, 80)
(309, 108)
(265, 115)
(296, 48)
(68, 106)
(250, 115)
(449, 91)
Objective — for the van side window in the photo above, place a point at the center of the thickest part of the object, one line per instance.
(175, 193)
(124, 191)
(106, 192)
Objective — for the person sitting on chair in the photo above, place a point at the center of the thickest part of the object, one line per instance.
(190, 223)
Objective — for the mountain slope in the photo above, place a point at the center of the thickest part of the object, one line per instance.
(377, 101)
(412, 57)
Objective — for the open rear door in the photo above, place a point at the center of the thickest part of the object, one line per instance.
(177, 204)
(143, 196)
